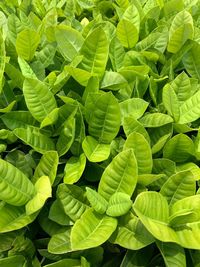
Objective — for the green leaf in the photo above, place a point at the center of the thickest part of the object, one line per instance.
(95, 151)
(15, 260)
(113, 81)
(131, 125)
(50, 119)
(170, 102)
(39, 101)
(180, 30)
(64, 262)
(120, 175)
(173, 254)
(116, 54)
(74, 169)
(47, 166)
(2, 61)
(179, 186)
(179, 149)
(26, 44)
(127, 33)
(66, 137)
(60, 243)
(134, 107)
(91, 230)
(98, 203)
(15, 189)
(104, 120)
(146, 206)
(192, 62)
(119, 204)
(190, 109)
(155, 120)
(14, 218)
(73, 200)
(95, 52)
(43, 191)
(57, 214)
(131, 233)
(142, 151)
(32, 137)
(18, 119)
(69, 41)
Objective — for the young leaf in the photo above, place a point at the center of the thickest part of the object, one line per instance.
(91, 230)
(120, 175)
(43, 191)
(98, 203)
(118, 205)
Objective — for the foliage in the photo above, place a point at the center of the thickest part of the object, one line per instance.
(99, 133)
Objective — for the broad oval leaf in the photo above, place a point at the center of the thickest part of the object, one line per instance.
(127, 33)
(179, 149)
(32, 137)
(119, 204)
(170, 102)
(155, 119)
(14, 218)
(43, 191)
(39, 100)
(95, 151)
(47, 166)
(95, 52)
(179, 186)
(104, 120)
(26, 43)
(142, 152)
(120, 175)
(146, 207)
(131, 233)
(73, 200)
(92, 230)
(98, 203)
(74, 169)
(60, 243)
(15, 188)
(180, 30)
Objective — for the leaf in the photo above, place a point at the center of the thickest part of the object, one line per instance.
(95, 52)
(173, 254)
(146, 206)
(57, 214)
(69, 41)
(118, 205)
(43, 191)
(113, 81)
(2, 61)
(178, 186)
(16, 189)
(116, 53)
(60, 243)
(13, 260)
(182, 87)
(119, 176)
(142, 152)
(191, 61)
(51, 118)
(131, 125)
(47, 166)
(66, 137)
(32, 137)
(72, 199)
(170, 102)
(179, 149)
(26, 43)
(190, 109)
(39, 101)
(180, 30)
(155, 120)
(95, 151)
(127, 33)
(98, 203)
(74, 169)
(91, 230)
(18, 119)
(104, 121)
(64, 262)
(134, 107)
(14, 218)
